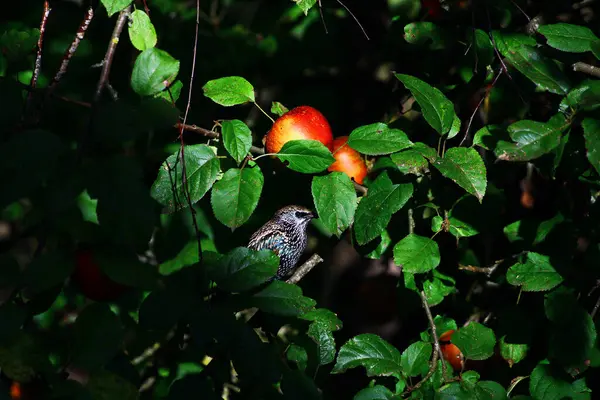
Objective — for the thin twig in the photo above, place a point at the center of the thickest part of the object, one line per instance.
(487, 93)
(110, 51)
(356, 19)
(360, 188)
(83, 26)
(322, 17)
(480, 270)
(437, 351)
(411, 221)
(587, 68)
(212, 134)
(305, 269)
(38, 57)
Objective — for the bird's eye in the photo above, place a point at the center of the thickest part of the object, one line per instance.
(301, 214)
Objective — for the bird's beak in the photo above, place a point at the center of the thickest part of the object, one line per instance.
(311, 215)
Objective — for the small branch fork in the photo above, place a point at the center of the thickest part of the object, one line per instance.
(437, 350)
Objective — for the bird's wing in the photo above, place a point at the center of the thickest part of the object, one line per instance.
(271, 239)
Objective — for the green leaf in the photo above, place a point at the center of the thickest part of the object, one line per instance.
(323, 337)
(377, 392)
(549, 383)
(382, 247)
(375, 210)
(24, 358)
(591, 133)
(410, 162)
(242, 269)
(278, 109)
(532, 232)
(533, 139)
(335, 200)
(141, 31)
(107, 385)
(98, 337)
(235, 197)
(437, 110)
(325, 317)
(47, 271)
(456, 124)
(417, 254)
(475, 341)
(229, 91)
(568, 37)
(188, 256)
(595, 48)
(173, 92)
(126, 268)
(153, 71)
(535, 274)
(282, 298)
(305, 5)
(298, 355)
(573, 332)
(437, 288)
(532, 63)
(465, 167)
(202, 167)
(456, 227)
(378, 139)
(307, 156)
(373, 353)
(114, 6)
(586, 96)
(422, 33)
(415, 359)
(237, 138)
(513, 353)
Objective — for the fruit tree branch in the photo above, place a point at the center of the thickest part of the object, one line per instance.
(587, 68)
(305, 269)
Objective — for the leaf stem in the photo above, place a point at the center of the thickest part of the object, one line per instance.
(264, 112)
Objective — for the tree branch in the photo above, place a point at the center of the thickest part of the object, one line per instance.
(305, 269)
(587, 69)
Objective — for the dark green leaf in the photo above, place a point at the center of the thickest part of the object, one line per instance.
(475, 341)
(373, 353)
(98, 337)
(153, 71)
(173, 92)
(422, 33)
(568, 37)
(325, 317)
(586, 96)
(12, 317)
(532, 140)
(188, 256)
(437, 110)
(530, 231)
(237, 138)
(297, 386)
(549, 383)
(307, 156)
(202, 167)
(416, 254)
(114, 6)
(107, 385)
(229, 91)
(437, 288)
(127, 269)
(535, 274)
(242, 269)
(415, 359)
(378, 139)
(235, 197)
(298, 355)
(323, 337)
(382, 247)
(465, 167)
(532, 63)
(591, 133)
(48, 270)
(22, 360)
(9, 271)
(335, 200)
(456, 227)
(375, 210)
(377, 392)
(141, 31)
(283, 299)
(410, 162)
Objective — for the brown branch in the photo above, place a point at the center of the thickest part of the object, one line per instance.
(85, 23)
(480, 270)
(360, 188)
(437, 351)
(587, 69)
(212, 134)
(38, 58)
(110, 51)
(305, 269)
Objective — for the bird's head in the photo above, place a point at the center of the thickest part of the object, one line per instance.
(294, 215)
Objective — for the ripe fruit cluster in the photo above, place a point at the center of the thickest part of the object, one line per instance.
(307, 123)
(451, 353)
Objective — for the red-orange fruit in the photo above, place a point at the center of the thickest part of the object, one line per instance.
(451, 353)
(300, 123)
(92, 282)
(348, 160)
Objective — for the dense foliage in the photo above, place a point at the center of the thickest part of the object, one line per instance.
(133, 171)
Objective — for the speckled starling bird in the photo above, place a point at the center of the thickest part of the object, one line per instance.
(284, 234)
